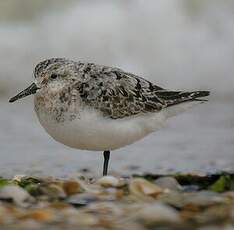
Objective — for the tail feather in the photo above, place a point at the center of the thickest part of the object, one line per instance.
(176, 97)
(178, 102)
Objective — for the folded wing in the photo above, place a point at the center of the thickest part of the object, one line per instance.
(118, 94)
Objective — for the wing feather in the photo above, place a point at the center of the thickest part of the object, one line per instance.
(118, 94)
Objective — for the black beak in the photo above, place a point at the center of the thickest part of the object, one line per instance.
(30, 90)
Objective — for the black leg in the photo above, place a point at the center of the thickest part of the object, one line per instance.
(106, 155)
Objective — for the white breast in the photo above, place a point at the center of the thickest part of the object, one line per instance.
(91, 131)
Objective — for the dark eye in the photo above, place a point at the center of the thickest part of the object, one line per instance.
(54, 76)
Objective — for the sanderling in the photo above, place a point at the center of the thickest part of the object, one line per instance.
(100, 108)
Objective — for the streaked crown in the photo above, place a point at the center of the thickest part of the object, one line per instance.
(50, 64)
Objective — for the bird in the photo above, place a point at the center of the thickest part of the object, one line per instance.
(94, 107)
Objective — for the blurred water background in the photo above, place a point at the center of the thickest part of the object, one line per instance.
(177, 44)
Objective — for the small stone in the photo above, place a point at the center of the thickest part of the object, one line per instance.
(214, 214)
(71, 187)
(43, 215)
(203, 198)
(173, 198)
(59, 205)
(80, 200)
(85, 170)
(229, 195)
(52, 191)
(8, 213)
(133, 167)
(108, 181)
(158, 212)
(19, 177)
(191, 188)
(141, 187)
(25, 181)
(16, 194)
(105, 208)
(83, 219)
(220, 227)
(168, 183)
(27, 224)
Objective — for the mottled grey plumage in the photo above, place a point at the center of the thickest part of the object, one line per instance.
(114, 92)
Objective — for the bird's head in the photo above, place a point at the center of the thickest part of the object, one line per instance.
(51, 76)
